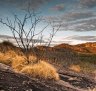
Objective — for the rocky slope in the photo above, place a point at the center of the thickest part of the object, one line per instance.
(11, 81)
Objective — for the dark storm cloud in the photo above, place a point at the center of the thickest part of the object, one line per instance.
(88, 3)
(24, 3)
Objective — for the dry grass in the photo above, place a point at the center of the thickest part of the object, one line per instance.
(94, 89)
(6, 58)
(32, 59)
(94, 74)
(5, 46)
(41, 70)
(75, 68)
(8, 46)
(18, 63)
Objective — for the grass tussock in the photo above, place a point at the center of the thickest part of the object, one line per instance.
(32, 59)
(41, 70)
(94, 89)
(75, 68)
(18, 63)
(5, 59)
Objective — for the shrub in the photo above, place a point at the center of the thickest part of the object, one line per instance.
(8, 43)
(87, 67)
(7, 46)
(41, 70)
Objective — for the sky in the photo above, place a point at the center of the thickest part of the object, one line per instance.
(77, 17)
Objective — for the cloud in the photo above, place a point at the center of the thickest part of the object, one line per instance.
(82, 38)
(76, 21)
(88, 3)
(24, 3)
(83, 25)
(77, 15)
(73, 40)
(58, 7)
(73, 16)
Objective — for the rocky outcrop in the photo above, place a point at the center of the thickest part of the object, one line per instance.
(11, 81)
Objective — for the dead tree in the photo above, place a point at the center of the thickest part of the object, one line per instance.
(26, 38)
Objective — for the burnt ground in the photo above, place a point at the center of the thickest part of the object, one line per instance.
(11, 81)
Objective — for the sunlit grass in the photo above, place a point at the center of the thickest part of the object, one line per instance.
(42, 70)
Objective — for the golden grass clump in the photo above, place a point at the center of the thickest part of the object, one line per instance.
(75, 68)
(41, 70)
(32, 59)
(18, 63)
(11, 53)
(5, 59)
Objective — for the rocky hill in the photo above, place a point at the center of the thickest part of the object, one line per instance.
(82, 48)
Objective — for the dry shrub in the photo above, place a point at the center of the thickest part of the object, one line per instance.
(8, 43)
(5, 46)
(75, 68)
(41, 70)
(87, 67)
(18, 62)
